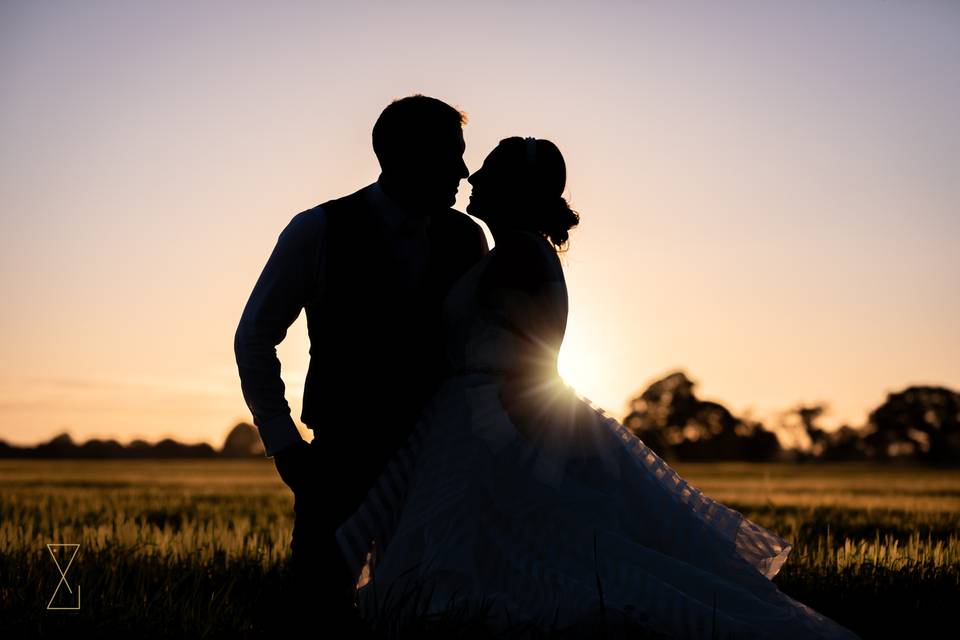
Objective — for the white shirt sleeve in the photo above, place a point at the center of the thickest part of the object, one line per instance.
(291, 276)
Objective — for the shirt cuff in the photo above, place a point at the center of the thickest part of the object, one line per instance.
(278, 433)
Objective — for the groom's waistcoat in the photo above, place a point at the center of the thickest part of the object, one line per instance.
(376, 348)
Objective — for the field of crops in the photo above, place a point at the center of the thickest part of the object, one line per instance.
(199, 547)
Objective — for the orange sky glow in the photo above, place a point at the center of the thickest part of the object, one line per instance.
(769, 192)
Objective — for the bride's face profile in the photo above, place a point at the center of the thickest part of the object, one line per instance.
(496, 188)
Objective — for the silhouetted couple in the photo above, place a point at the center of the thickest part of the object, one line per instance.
(451, 466)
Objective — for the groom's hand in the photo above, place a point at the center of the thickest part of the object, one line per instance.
(294, 465)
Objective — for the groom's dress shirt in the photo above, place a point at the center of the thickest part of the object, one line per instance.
(295, 273)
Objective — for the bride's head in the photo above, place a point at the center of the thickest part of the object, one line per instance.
(520, 186)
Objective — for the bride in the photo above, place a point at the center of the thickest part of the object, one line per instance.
(518, 498)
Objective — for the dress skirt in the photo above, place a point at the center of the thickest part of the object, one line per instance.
(547, 525)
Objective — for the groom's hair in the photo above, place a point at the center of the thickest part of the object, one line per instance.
(404, 123)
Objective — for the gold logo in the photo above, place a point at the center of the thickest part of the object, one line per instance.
(63, 575)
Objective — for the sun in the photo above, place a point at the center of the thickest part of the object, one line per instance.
(575, 366)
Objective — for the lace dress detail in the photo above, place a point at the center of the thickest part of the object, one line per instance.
(536, 521)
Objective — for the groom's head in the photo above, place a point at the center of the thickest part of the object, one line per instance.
(419, 143)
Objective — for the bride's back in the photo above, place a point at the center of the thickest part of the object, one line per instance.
(508, 314)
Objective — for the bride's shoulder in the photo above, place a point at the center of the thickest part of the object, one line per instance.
(521, 260)
(524, 241)
(530, 247)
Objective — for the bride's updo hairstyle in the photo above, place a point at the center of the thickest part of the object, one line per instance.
(543, 177)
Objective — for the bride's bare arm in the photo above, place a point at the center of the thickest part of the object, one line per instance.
(523, 287)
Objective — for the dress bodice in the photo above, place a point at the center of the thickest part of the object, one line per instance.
(519, 332)
(532, 506)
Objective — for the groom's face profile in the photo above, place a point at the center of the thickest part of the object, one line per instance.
(419, 143)
(438, 167)
(427, 172)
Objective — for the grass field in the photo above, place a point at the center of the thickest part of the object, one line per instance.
(190, 548)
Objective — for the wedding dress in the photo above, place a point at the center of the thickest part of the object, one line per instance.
(548, 523)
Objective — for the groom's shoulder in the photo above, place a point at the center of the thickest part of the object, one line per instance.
(348, 201)
(306, 227)
(313, 221)
(308, 220)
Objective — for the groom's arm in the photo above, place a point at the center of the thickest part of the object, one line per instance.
(291, 276)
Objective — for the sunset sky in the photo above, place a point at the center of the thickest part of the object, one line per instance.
(769, 191)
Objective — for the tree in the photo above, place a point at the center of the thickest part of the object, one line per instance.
(672, 421)
(920, 422)
(243, 441)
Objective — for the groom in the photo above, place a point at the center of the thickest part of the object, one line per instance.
(371, 269)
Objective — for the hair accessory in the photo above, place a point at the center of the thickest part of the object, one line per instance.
(531, 150)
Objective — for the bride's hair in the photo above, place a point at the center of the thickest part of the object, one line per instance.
(550, 212)
(558, 221)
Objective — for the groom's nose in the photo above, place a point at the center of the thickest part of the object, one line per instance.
(464, 170)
